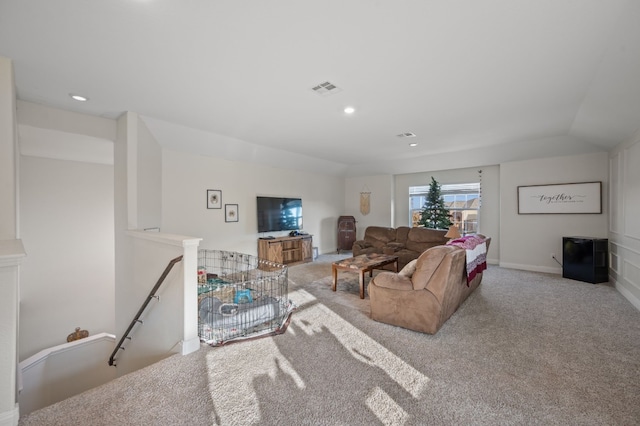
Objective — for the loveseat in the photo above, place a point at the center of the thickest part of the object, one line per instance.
(424, 294)
(404, 242)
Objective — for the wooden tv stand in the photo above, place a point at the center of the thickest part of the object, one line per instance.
(286, 250)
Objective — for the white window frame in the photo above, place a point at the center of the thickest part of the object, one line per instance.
(465, 224)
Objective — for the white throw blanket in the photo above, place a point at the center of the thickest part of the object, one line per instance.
(476, 252)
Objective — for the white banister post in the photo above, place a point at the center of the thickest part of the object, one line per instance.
(190, 340)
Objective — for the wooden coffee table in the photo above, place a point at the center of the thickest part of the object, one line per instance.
(363, 263)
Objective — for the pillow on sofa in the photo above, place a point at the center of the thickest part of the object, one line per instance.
(409, 269)
(378, 236)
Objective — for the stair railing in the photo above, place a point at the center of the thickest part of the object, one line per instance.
(137, 319)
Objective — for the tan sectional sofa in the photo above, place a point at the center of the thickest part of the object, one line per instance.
(423, 299)
(404, 242)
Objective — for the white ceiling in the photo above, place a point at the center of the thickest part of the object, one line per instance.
(478, 81)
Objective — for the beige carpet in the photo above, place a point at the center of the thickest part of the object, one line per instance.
(525, 348)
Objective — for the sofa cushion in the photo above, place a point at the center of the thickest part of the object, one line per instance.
(405, 256)
(379, 236)
(404, 242)
(409, 269)
(392, 247)
(402, 234)
(427, 264)
(420, 239)
(369, 250)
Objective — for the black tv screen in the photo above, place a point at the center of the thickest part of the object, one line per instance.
(279, 214)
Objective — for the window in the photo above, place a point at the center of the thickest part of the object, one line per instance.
(462, 200)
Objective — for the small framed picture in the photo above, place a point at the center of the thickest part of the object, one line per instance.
(214, 199)
(230, 212)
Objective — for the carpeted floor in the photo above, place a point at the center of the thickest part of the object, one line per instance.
(524, 349)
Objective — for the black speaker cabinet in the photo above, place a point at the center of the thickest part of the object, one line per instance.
(585, 259)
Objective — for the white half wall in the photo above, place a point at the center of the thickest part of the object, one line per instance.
(65, 370)
(170, 320)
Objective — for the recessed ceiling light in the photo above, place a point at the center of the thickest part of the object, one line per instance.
(413, 144)
(78, 98)
(349, 110)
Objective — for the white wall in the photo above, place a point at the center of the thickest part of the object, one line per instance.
(527, 241)
(149, 172)
(170, 322)
(67, 229)
(381, 201)
(11, 257)
(8, 178)
(518, 241)
(186, 178)
(9, 272)
(66, 221)
(624, 224)
(489, 222)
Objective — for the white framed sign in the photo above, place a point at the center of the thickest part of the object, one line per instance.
(561, 198)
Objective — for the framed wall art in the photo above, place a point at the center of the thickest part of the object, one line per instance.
(214, 199)
(561, 198)
(230, 212)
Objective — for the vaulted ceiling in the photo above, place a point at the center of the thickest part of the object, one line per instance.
(477, 81)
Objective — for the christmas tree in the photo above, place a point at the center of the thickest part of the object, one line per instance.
(434, 214)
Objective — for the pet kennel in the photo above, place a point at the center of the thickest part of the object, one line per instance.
(240, 296)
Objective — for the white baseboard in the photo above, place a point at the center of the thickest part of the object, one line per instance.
(189, 346)
(10, 418)
(627, 294)
(532, 268)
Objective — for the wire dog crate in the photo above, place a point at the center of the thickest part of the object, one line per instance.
(240, 296)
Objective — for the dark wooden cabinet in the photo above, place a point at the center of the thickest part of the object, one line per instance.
(346, 232)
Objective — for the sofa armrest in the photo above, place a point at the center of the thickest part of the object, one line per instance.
(362, 244)
(393, 281)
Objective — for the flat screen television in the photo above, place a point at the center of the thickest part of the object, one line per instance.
(279, 214)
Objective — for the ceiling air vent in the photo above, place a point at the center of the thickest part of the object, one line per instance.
(326, 88)
(406, 135)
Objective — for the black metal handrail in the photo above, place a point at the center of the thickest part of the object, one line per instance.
(136, 319)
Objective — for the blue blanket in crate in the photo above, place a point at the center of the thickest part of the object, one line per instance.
(237, 316)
